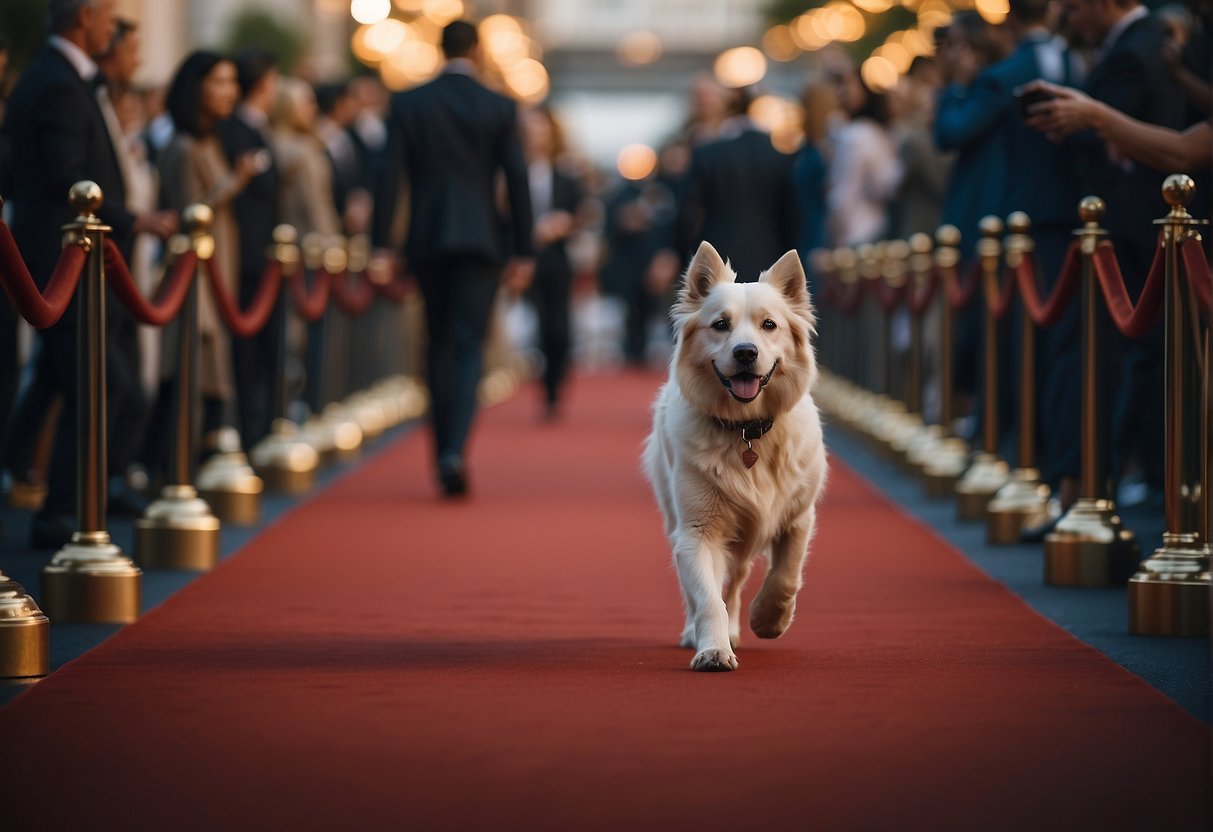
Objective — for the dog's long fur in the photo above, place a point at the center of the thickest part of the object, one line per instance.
(719, 515)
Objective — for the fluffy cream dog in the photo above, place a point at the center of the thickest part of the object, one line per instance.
(736, 457)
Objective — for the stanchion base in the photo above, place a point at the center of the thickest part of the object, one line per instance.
(939, 485)
(1021, 503)
(26, 496)
(24, 634)
(972, 505)
(285, 460)
(290, 482)
(177, 532)
(91, 581)
(1090, 546)
(978, 486)
(1170, 595)
(235, 508)
(1168, 608)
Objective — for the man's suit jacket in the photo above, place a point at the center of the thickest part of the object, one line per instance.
(451, 138)
(256, 207)
(1037, 176)
(739, 195)
(58, 137)
(1131, 77)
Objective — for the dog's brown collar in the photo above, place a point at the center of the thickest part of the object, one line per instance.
(750, 430)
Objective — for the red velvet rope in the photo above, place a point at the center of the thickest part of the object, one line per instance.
(959, 296)
(999, 302)
(169, 297)
(1049, 312)
(352, 301)
(309, 304)
(887, 296)
(918, 301)
(41, 309)
(249, 322)
(1132, 320)
(396, 289)
(1196, 267)
(848, 304)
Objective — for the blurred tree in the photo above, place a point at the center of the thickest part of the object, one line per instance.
(255, 28)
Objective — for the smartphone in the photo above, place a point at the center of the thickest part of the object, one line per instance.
(1026, 99)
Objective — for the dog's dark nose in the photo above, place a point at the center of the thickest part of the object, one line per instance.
(745, 353)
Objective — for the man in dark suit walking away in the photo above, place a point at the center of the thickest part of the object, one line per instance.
(450, 139)
(248, 131)
(739, 196)
(57, 127)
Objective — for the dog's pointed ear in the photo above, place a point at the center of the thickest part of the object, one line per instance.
(705, 271)
(787, 275)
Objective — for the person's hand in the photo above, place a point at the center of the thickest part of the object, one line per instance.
(1066, 111)
(163, 224)
(518, 274)
(553, 226)
(251, 164)
(379, 267)
(359, 206)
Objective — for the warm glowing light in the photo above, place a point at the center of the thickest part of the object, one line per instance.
(769, 112)
(416, 59)
(496, 24)
(740, 67)
(370, 11)
(845, 22)
(636, 162)
(443, 12)
(879, 73)
(917, 43)
(934, 13)
(993, 11)
(874, 6)
(506, 47)
(385, 36)
(896, 54)
(804, 32)
(779, 44)
(638, 48)
(409, 6)
(528, 79)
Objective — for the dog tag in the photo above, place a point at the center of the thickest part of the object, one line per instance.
(749, 456)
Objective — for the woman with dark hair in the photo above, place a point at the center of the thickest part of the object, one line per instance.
(865, 170)
(194, 169)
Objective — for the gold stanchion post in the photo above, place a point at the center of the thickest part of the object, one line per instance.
(179, 530)
(988, 472)
(1090, 545)
(918, 446)
(943, 463)
(284, 459)
(1024, 500)
(1169, 595)
(90, 579)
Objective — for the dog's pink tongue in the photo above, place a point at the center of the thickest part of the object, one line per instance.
(745, 387)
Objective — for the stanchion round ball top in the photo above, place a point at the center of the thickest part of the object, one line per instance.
(921, 243)
(198, 217)
(1091, 209)
(990, 226)
(1178, 189)
(947, 235)
(1018, 223)
(85, 197)
(285, 234)
(897, 250)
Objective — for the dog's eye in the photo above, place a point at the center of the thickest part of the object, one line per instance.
(721, 325)
(768, 324)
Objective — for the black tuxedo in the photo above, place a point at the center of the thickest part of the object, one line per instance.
(551, 293)
(1132, 77)
(58, 137)
(739, 196)
(255, 359)
(451, 138)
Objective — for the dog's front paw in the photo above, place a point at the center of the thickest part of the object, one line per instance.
(714, 659)
(770, 618)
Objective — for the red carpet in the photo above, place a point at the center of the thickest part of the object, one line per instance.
(379, 659)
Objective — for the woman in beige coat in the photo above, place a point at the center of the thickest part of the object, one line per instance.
(193, 169)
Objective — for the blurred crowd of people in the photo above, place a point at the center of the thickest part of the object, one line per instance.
(963, 134)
